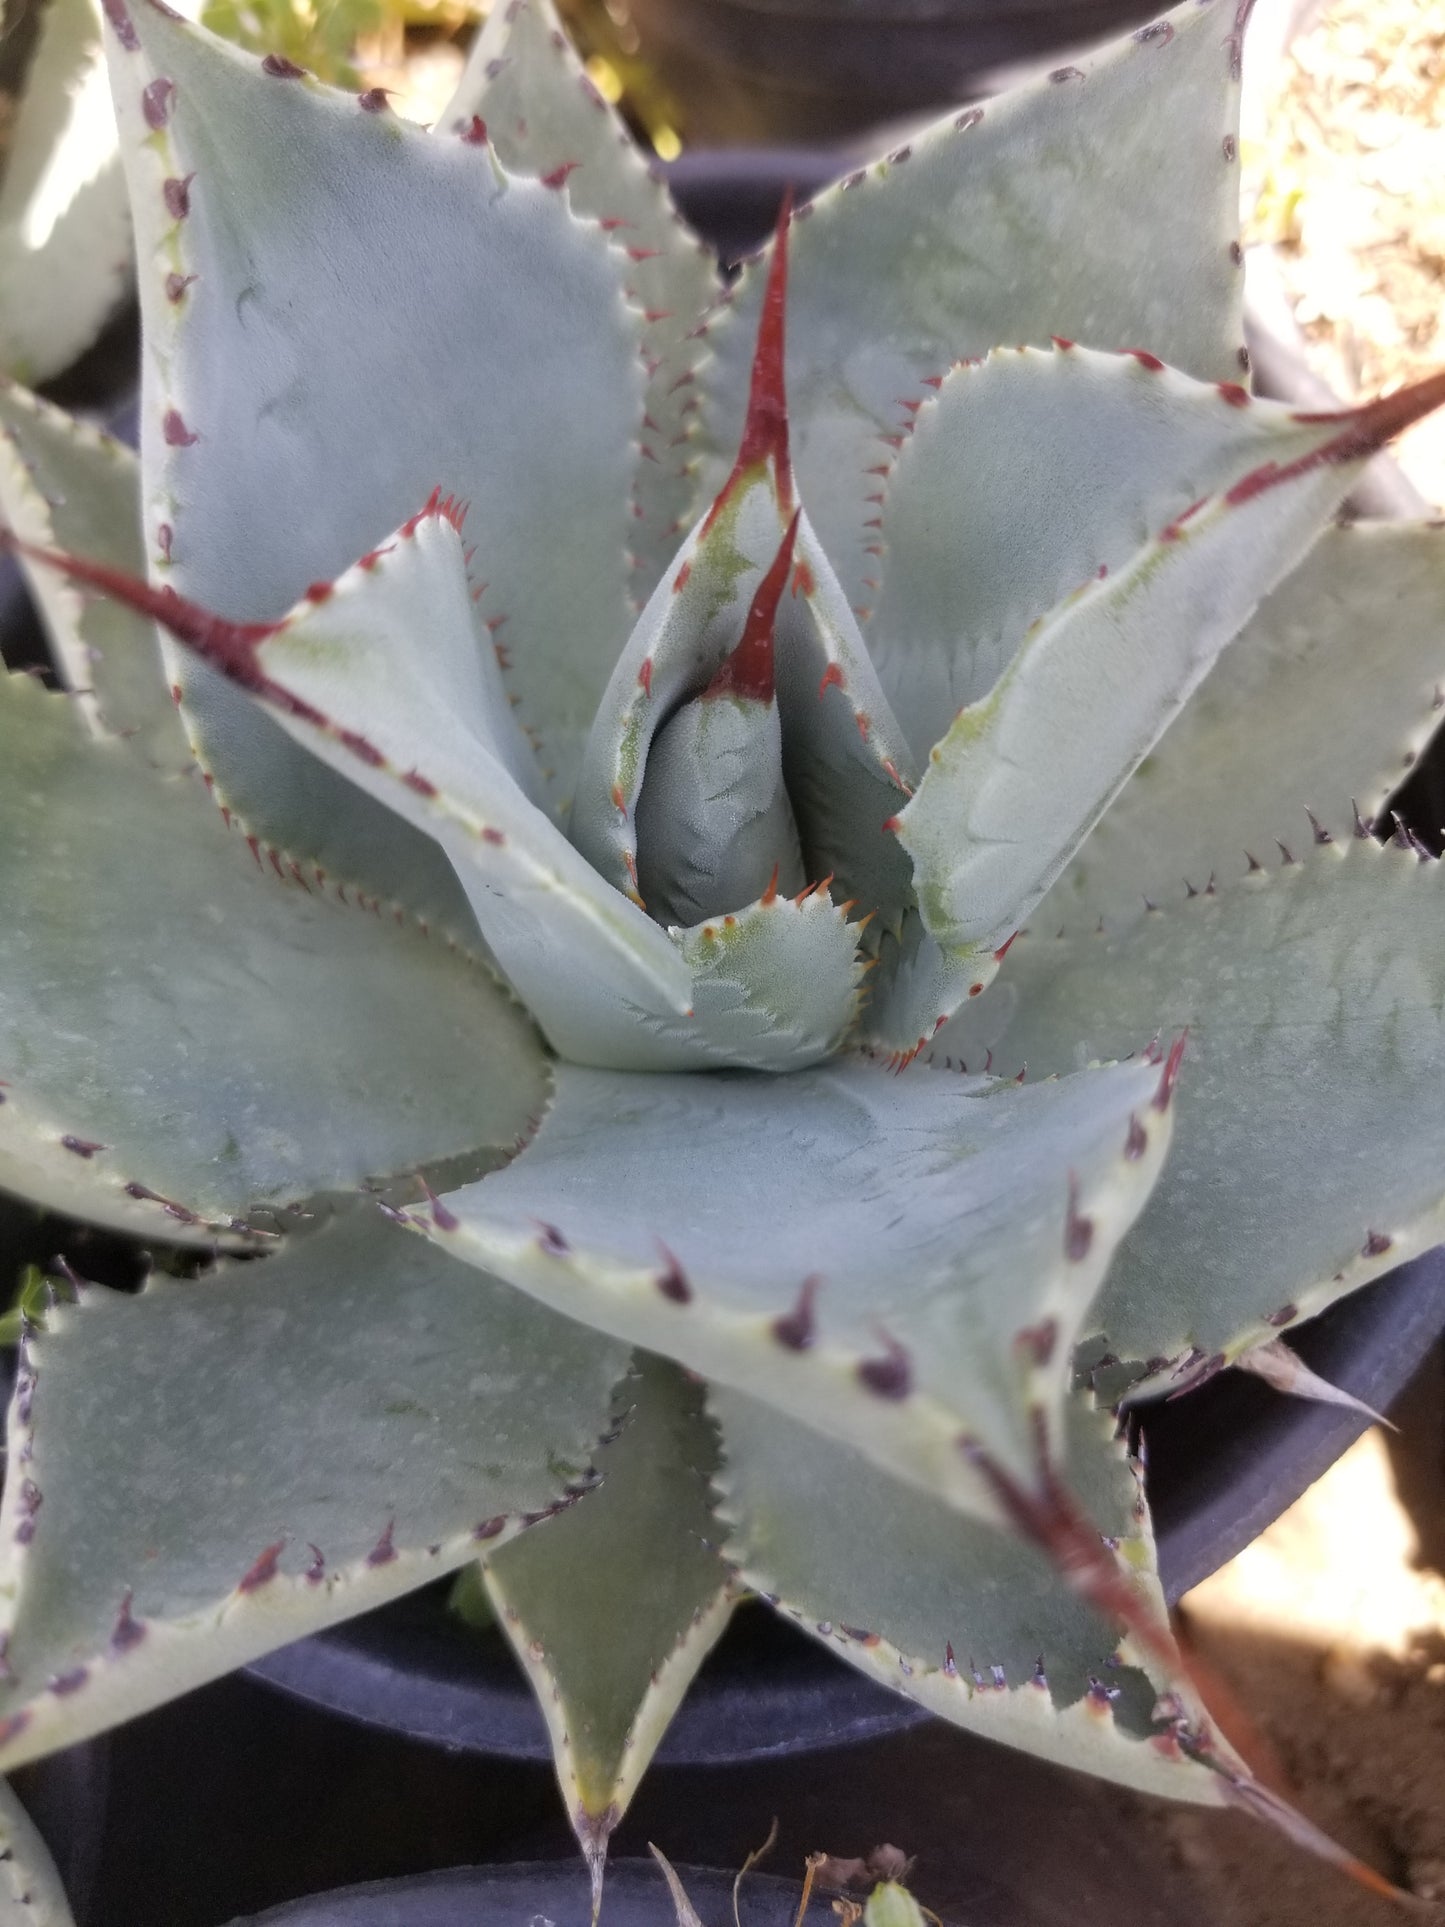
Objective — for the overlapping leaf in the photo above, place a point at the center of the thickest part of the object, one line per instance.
(66, 486)
(1314, 996)
(1023, 774)
(268, 208)
(1033, 215)
(885, 1277)
(187, 1034)
(901, 1262)
(1323, 703)
(727, 579)
(614, 1605)
(965, 1617)
(220, 1465)
(544, 116)
(844, 757)
(771, 986)
(1023, 475)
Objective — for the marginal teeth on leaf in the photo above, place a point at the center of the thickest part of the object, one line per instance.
(200, 1586)
(1278, 1366)
(859, 1366)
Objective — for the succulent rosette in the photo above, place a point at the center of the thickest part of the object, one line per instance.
(587, 918)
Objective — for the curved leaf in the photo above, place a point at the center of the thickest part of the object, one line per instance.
(900, 1262)
(614, 1605)
(715, 827)
(1024, 475)
(1278, 1366)
(1323, 703)
(773, 985)
(844, 757)
(721, 584)
(257, 194)
(220, 1465)
(66, 485)
(1032, 215)
(961, 1615)
(1314, 995)
(186, 1034)
(1022, 776)
(543, 115)
(848, 763)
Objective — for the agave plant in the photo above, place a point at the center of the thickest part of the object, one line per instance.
(590, 1016)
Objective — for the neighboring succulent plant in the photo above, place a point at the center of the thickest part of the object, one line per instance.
(320, 34)
(889, 1902)
(856, 739)
(65, 245)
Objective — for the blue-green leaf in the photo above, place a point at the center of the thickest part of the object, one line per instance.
(1323, 704)
(221, 1465)
(1032, 215)
(187, 1034)
(65, 485)
(267, 207)
(613, 1605)
(962, 1615)
(1314, 995)
(899, 1262)
(1023, 774)
(543, 115)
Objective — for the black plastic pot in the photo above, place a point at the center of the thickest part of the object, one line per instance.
(289, 1802)
(68, 1797)
(414, 1668)
(785, 70)
(542, 1891)
(1225, 1461)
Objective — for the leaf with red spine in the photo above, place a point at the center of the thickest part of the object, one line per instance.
(748, 672)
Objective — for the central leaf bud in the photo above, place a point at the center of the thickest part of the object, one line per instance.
(715, 828)
(743, 747)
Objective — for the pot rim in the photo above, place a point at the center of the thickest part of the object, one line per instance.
(559, 1890)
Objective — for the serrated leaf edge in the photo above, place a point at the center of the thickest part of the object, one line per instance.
(149, 1661)
(914, 1435)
